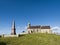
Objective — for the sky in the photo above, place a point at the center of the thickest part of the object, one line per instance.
(37, 12)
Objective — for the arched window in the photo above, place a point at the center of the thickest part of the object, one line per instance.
(31, 31)
(37, 30)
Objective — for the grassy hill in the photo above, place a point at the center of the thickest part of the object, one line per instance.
(32, 39)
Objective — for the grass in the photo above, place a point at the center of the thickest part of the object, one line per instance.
(32, 39)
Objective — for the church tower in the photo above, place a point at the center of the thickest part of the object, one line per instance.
(29, 24)
(13, 29)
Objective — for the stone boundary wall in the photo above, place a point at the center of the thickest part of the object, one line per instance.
(9, 35)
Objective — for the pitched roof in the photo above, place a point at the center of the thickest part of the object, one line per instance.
(41, 27)
(33, 27)
(45, 27)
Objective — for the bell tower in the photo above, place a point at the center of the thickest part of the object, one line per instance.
(13, 29)
(29, 24)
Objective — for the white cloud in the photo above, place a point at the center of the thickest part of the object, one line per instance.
(56, 28)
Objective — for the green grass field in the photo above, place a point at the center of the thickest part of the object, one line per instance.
(32, 39)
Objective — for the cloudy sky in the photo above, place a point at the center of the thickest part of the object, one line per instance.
(37, 12)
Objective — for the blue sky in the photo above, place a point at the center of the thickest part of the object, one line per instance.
(37, 12)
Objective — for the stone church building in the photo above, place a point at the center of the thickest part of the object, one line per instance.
(38, 29)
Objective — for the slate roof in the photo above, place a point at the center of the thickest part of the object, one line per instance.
(41, 27)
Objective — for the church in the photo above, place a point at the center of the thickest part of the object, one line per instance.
(33, 29)
(38, 29)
